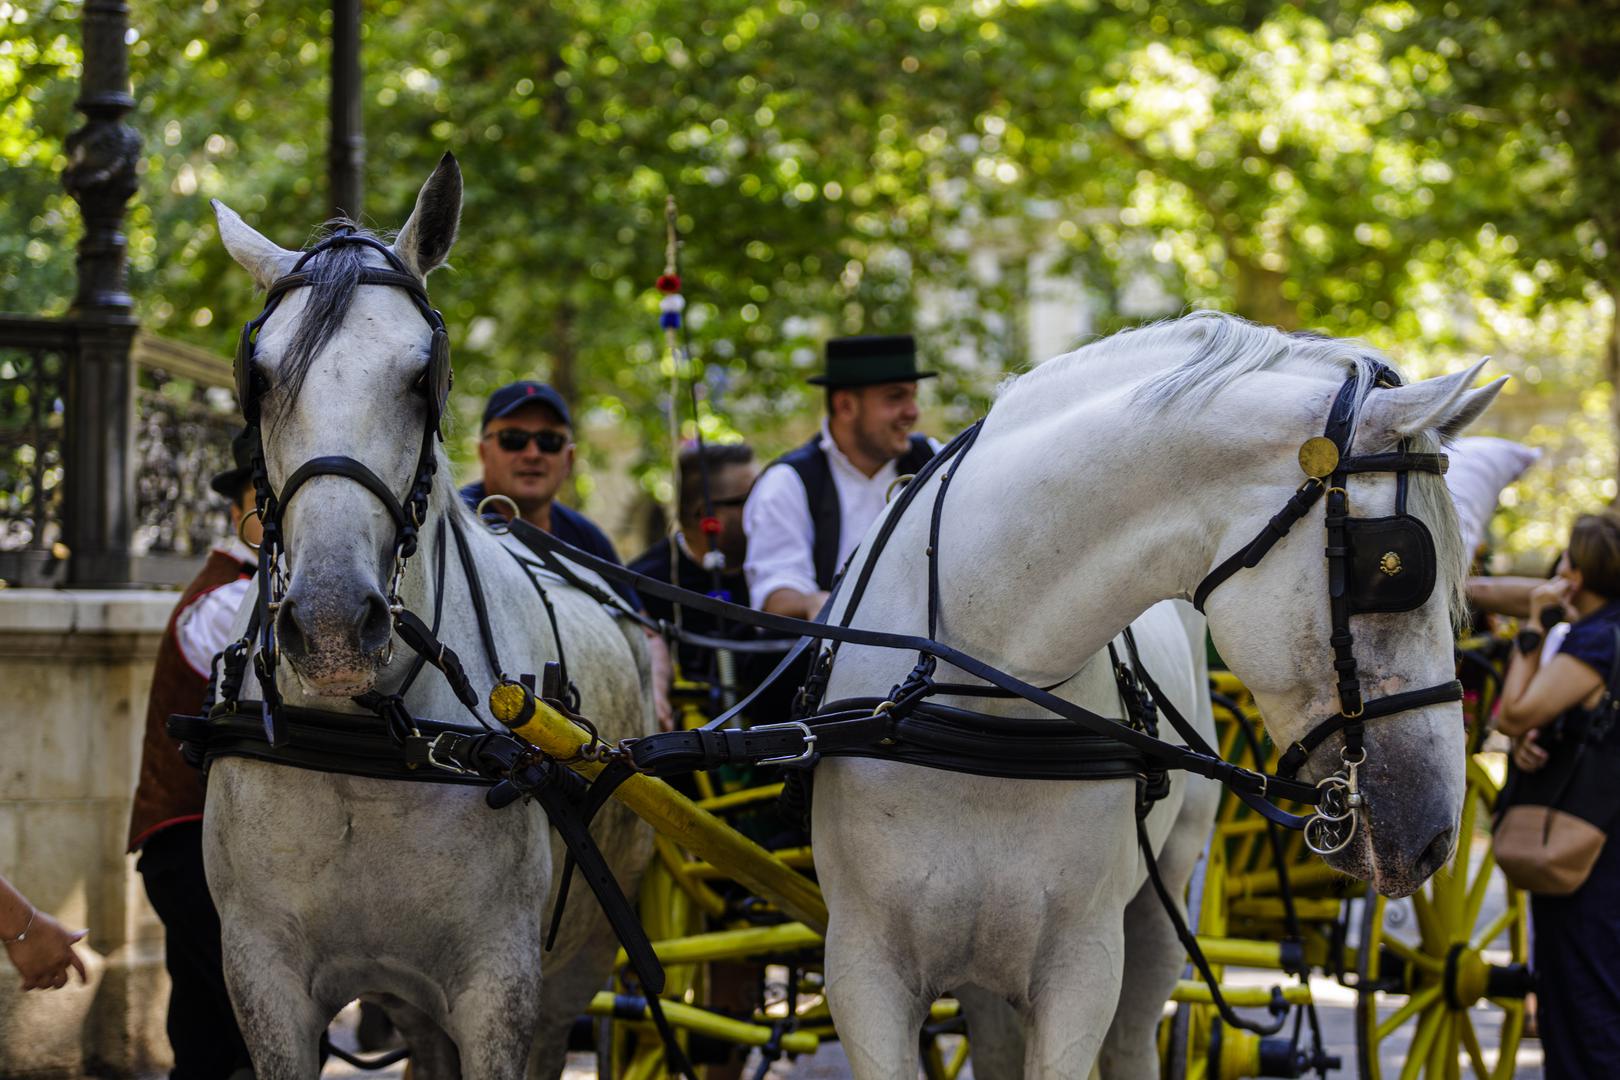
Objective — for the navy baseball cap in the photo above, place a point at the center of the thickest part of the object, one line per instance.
(514, 396)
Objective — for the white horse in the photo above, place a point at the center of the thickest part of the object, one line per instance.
(333, 886)
(1103, 482)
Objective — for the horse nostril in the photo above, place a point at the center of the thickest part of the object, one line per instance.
(294, 636)
(374, 626)
(1435, 855)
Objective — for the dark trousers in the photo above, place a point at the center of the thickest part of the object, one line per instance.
(202, 1028)
(1577, 962)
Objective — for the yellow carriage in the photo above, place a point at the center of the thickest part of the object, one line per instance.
(1427, 974)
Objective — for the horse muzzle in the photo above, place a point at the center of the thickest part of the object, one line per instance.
(1402, 838)
(335, 638)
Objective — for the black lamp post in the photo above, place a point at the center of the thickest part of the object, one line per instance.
(98, 486)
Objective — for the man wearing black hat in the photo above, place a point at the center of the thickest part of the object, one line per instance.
(526, 448)
(166, 824)
(811, 507)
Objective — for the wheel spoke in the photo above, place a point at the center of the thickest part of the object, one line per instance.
(1480, 886)
(1507, 1050)
(1413, 956)
(1422, 1043)
(1497, 925)
(1470, 1039)
(1443, 1052)
(1428, 922)
(1414, 1004)
(1457, 891)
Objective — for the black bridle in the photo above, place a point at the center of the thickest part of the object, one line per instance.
(408, 514)
(1374, 565)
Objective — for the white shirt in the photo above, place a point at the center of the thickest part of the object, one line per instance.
(204, 627)
(781, 532)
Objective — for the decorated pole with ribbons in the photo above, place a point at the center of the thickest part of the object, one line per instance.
(672, 321)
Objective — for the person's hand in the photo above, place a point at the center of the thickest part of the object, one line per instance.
(1551, 593)
(46, 954)
(1527, 755)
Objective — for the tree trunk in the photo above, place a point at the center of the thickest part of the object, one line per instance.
(1611, 363)
(565, 377)
(1258, 293)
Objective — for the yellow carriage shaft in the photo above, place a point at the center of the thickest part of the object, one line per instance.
(681, 820)
(1196, 992)
(701, 1022)
(734, 944)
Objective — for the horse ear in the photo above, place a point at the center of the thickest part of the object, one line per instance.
(425, 239)
(256, 254)
(1447, 405)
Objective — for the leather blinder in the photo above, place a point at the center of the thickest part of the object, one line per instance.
(247, 398)
(1392, 564)
(436, 381)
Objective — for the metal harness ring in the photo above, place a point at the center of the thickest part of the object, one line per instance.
(485, 501)
(241, 527)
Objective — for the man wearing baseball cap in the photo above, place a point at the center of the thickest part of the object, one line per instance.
(809, 508)
(526, 449)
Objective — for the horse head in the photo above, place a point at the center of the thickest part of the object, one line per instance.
(339, 370)
(1348, 644)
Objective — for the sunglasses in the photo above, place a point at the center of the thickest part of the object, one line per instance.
(513, 440)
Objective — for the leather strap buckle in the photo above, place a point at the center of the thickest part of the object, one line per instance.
(434, 750)
(789, 759)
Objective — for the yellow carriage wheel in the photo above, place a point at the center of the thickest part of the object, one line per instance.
(1458, 965)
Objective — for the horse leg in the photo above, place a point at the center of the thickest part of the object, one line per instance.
(565, 994)
(878, 1012)
(1067, 1019)
(433, 1055)
(281, 1023)
(995, 1034)
(493, 1020)
(1154, 956)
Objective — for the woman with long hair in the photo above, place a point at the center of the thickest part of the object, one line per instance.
(1577, 937)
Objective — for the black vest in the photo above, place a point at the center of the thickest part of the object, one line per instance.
(810, 462)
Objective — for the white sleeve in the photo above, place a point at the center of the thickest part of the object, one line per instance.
(204, 628)
(781, 536)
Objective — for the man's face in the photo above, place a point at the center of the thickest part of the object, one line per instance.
(728, 490)
(881, 417)
(529, 476)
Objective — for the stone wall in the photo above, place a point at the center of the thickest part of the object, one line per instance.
(75, 667)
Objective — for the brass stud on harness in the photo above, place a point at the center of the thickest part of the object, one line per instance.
(1319, 456)
(1390, 563)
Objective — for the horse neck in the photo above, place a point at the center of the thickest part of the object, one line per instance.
(1069, 523)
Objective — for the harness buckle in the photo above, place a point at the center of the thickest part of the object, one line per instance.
(790, 759)
(433, 758)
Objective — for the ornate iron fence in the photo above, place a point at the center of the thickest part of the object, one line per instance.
(34, 354)
(185, 415)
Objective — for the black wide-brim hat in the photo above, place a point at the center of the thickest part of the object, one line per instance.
(871, 359)
(229, 484)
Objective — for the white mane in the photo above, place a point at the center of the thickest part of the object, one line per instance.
(1208, 351)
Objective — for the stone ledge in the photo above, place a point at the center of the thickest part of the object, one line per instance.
(85, 611)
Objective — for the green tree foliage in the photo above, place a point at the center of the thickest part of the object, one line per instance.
(1437, 180)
